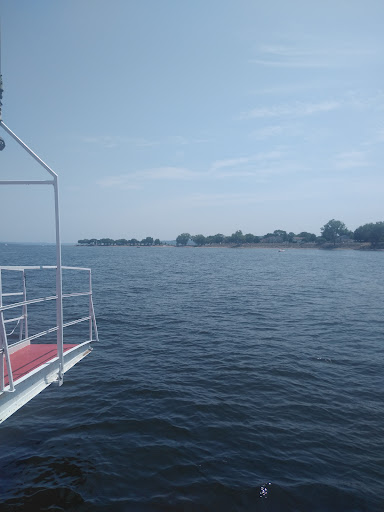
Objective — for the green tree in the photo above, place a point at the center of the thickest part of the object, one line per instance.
(106, 241)
(272, 238)
(333, 229)
(249, 238)
(282, 233)
(183, 239)
(85, 241)
(308, 237)
(290, 236)
(157, 242)
(147, 241)
(237, 237)
(121, 241)
(133, 241)
(372, 232)
(218, 238)
(199, 239)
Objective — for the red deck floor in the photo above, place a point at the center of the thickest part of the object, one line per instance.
(31, 357)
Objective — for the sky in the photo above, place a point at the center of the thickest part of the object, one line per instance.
(168, 116)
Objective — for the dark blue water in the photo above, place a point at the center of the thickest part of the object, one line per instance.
(224, 380)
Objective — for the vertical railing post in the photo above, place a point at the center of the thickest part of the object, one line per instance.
(24, 320)
(59, 285)
(23, 311)
(94, 323)
(90, 305)
(4, 352)
(1, 340)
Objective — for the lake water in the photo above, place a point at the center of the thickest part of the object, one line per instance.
(224, 380)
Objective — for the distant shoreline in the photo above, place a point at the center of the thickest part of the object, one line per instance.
(281, 247)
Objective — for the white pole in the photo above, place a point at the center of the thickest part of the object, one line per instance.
(59, 285)
(25, 307)
(90, 305)
(1, 341)
(27, 149)
(4, 347)
(23, 320)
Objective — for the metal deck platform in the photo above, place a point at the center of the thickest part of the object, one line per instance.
(35, 367)
(28, 366)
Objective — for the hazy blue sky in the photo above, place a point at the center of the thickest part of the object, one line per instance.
(203, 116)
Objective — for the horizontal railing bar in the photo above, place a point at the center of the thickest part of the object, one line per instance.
(26, 302)
(68, 268)
(26, 182)
(9, 294)
(77, 268)
(39, 334)
(49, 331)
(42, 299)
(20, 269)
(13, 319)
(84, 319)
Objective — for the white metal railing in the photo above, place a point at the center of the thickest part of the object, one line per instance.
(6, 347)
(23, 317)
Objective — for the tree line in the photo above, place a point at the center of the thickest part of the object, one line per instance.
(334, 231)
(121, 241)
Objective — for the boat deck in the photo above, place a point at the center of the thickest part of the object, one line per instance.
(28, 368)
(31, 357)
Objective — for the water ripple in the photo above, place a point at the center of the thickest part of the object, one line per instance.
(224, 380)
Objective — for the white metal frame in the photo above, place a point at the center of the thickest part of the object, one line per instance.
(34, 382)
(58, 267)
(59, 278)
(24, 338)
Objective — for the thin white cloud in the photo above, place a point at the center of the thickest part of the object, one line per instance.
(121, 182)
(225, 199)
(179, 140)
(294, 88)
(296, 109)
(143, 143)
(135, 180)
(104, 141)
(376, 138)
(256, 196)
(267, 132)
(351, 160)
(243, 166)
(260, 167)
(230, 162)
(166, 173)
(313, 55)
(288, 64)
(113, 141)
